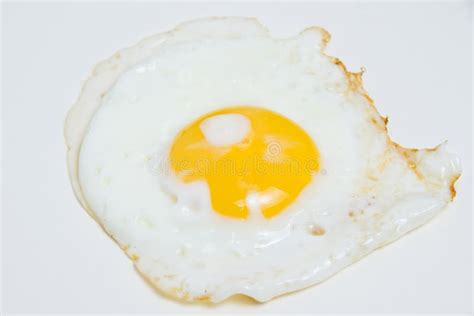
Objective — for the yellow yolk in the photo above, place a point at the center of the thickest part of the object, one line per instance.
(273, 162)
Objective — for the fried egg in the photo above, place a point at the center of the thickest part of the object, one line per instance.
(224, 161)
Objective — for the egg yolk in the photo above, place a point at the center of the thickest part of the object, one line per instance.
(270, 165)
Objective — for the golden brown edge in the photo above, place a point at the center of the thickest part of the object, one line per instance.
(355, 84)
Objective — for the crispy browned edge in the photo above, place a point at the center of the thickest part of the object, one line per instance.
(355, 83)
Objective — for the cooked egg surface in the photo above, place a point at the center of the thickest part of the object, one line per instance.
(159, 145)
(244, 152)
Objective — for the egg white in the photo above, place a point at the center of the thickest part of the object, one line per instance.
(368, 192)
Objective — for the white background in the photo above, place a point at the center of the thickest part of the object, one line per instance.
(55, 257)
